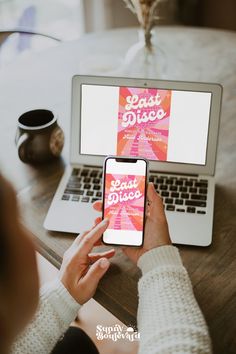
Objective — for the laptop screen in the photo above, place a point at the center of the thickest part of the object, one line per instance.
(158, 124)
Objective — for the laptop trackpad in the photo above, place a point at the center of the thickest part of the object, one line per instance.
(70, 217)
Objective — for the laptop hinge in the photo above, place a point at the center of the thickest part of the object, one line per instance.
(174, 173)
(92, 166)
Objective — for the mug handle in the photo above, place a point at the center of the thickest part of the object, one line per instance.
(21, 145)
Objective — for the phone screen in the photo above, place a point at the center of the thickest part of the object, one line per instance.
(124, 197)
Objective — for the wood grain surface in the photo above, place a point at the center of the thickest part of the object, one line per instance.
(193, 54)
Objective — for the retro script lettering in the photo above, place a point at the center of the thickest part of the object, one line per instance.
(121, 191)
(134, 102)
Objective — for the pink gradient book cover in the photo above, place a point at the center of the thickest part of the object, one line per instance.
(143, 122)
(124, 201)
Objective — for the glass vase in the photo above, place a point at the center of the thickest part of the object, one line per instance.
(145, 60)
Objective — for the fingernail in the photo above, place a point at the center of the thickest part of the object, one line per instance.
(105, 221)
(104, 263)
(153, 188)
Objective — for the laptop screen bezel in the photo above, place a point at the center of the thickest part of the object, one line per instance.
(172, 167)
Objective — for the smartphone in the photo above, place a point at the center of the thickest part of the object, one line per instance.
(124, 200)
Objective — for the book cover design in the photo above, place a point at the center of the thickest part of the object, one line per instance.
(143, 122)
(124, 201)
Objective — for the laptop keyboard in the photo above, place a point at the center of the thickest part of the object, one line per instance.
(84, 185)
(182, 194)
(179, 194)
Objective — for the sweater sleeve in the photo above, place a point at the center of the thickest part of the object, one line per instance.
(169, 318)
(57, 309)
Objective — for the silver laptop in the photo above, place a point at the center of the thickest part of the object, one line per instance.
(173, 124)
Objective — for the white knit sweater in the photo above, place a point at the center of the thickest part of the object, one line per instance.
(169, 318)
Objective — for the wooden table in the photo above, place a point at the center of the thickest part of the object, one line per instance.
(44, 80)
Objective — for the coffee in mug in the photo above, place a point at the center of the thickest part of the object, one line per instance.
(38, 137)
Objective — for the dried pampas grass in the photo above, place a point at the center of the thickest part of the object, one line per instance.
(147, 14)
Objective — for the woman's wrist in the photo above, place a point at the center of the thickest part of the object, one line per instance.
(60, 299)
(166, 255)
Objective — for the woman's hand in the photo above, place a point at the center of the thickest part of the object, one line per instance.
(156, 228)
(81, 270)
